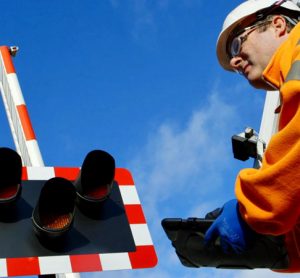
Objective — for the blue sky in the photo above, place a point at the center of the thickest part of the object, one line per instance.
(139, 79)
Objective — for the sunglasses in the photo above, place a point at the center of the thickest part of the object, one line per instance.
(236, 43)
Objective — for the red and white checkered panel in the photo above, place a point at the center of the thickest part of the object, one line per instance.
(143, 257)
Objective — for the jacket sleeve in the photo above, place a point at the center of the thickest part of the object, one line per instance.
(269, 197)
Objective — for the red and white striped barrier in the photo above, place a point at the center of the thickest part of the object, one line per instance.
(17, 113)
(143, 257)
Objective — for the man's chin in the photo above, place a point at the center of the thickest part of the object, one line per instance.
(261, 84)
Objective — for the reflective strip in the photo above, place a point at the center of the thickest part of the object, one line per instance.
(298, 43)
(294, 73)
(8, 64)
(32, 148)
(55, 264)
(3, 268)
(40, 173)
(129, 195)
(25, 122)
(15, 89)
(141, 234)
(115, 261)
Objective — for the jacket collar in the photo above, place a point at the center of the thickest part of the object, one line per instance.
(279, 66)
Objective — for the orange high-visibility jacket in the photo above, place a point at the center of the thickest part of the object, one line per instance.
(269, 197)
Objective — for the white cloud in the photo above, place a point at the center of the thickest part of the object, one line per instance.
(114, 3)
(176, 172)
(180, 169)
(145, 17)
(181, 162)
(144, 23)
(183, 171)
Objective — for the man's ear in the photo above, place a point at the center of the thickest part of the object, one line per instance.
(280, 25)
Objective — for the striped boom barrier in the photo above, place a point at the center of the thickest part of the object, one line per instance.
(143, 257)
(17, 113)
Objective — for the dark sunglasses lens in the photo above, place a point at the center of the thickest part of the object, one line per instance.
(235, 47)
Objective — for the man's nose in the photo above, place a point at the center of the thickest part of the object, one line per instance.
(236, 63)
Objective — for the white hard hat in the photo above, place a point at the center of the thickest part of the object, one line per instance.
(249, 8)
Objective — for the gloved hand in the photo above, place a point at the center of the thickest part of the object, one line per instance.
(212, 215)
(235, 235)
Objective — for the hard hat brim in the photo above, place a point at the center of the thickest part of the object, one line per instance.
(246, 12)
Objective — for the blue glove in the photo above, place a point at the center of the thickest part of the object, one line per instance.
(235, 235)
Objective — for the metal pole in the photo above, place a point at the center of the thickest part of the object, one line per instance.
(269, 122)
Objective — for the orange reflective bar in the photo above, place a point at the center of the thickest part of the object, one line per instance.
(9, 66)
(26, 123)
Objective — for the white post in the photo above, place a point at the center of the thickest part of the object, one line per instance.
(269, 123)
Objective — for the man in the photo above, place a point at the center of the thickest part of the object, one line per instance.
(261, 40)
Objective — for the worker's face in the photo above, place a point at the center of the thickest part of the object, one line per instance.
(255, 54)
